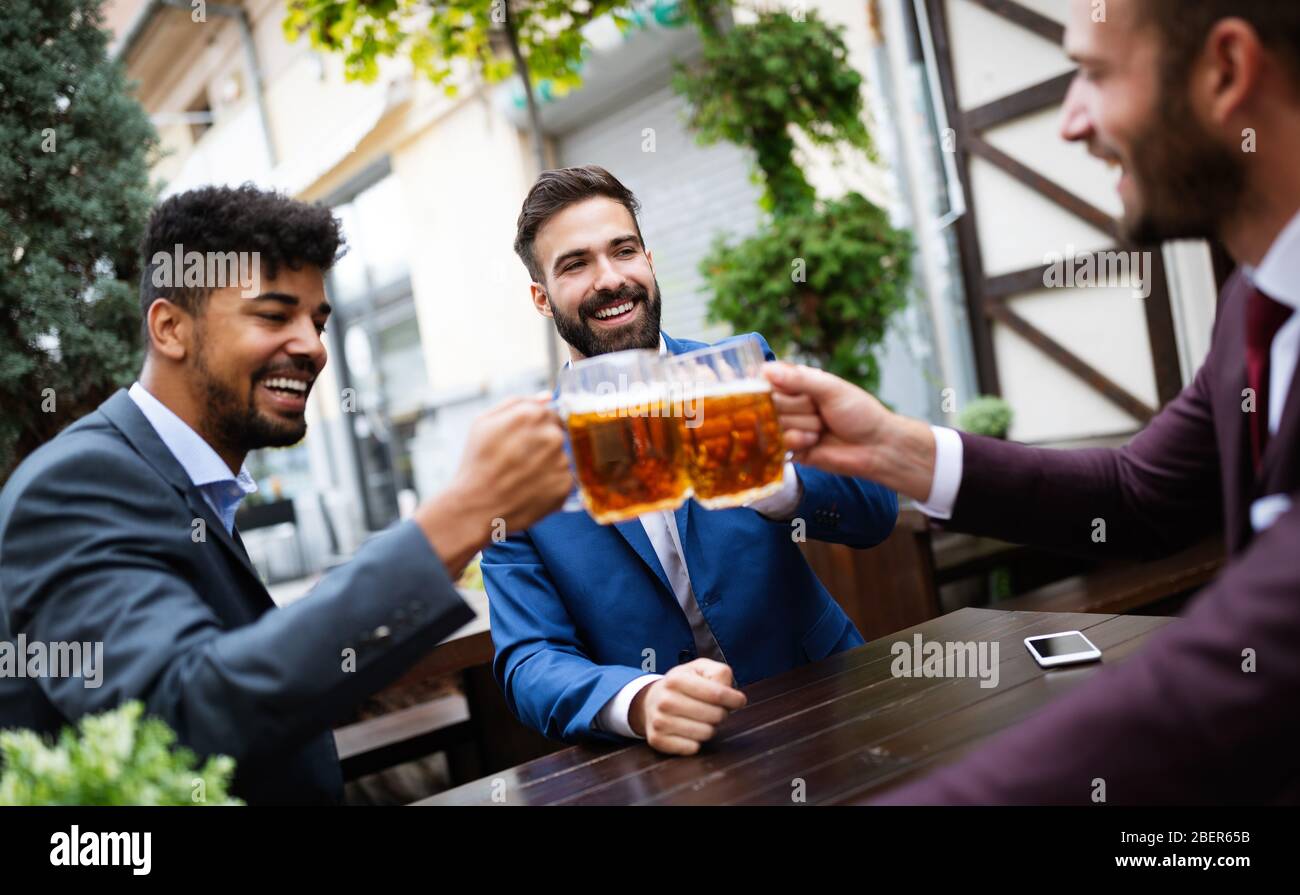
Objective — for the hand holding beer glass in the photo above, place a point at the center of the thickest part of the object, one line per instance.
(648, 431)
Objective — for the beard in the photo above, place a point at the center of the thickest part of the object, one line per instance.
(1187, 184)
(232, 419)
(643, 332)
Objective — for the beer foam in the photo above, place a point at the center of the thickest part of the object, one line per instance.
(716, 389)
(669, 394)
(605, 402)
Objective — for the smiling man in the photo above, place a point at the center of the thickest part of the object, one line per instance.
(1197, 103)
(645, 629)
(121, 530)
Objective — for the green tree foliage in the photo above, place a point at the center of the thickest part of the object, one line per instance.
(74, 199)
(756, 81)
(821, 278)
(437, 34)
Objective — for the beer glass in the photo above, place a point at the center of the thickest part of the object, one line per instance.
(625, 441)
(734, 450)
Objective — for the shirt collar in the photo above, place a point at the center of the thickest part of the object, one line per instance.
(198, 458)
(1278, 275)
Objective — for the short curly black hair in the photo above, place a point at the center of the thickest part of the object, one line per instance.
(216, 221)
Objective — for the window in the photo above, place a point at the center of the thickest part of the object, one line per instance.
(378, 341)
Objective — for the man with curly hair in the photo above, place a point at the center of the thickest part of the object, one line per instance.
(120, 532)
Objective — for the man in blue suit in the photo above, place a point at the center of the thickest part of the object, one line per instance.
(120, 532)
(645, 628)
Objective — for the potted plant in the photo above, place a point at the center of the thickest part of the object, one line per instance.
(986, 415)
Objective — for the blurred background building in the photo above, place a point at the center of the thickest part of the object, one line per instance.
(433, 321)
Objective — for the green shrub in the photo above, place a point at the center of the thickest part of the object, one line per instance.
(823, 283)
(820, 279)
(115, 758)
(986, 415)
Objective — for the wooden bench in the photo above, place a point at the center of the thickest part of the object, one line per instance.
(474, 727)
(896, 584)
(376, 743)
(404, 735)
(1121, 586)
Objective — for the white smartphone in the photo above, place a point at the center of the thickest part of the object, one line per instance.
(1066, 648)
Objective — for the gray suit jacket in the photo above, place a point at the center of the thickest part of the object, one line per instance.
(96, 545)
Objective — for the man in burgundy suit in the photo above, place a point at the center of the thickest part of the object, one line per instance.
(1209, 710)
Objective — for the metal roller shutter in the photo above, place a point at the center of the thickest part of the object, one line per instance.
(689, 194)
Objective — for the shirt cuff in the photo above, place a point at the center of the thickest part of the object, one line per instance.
(782, 505)
(947, 474)
(612, 718)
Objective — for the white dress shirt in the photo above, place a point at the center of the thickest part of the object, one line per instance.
(210, 474)
(1278, 277)
(661, 528)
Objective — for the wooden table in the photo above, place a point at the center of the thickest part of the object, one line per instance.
(843, 727)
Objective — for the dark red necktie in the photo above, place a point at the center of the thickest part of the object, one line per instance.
(1264, 317)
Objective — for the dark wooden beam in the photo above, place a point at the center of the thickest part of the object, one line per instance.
(1048, 29)
(968, 244)
(1107, 387)
(1032, 99)
(1008, 284)
(1049, 189)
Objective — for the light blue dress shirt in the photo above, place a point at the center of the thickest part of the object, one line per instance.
(209, 473)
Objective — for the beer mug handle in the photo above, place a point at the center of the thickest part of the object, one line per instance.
(573, 503)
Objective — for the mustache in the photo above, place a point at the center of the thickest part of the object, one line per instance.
(628, 292)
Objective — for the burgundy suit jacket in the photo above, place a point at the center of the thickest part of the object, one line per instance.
(1180, 721)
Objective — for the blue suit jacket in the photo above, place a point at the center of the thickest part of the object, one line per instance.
(97, 544)
(575, 605)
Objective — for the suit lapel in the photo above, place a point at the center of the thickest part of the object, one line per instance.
(634, 533)
(123, 413)
(682, 516)
(1231, 422)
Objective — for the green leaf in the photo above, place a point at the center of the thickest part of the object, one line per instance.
(115, 758)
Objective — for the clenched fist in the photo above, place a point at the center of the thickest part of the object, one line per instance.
(838, 427)
(683, 708)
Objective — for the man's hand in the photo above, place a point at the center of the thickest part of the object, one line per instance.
(513, 469)
(681, 710)
(838, 427)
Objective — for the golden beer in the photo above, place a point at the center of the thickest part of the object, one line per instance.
(628, 459)
(734, 448)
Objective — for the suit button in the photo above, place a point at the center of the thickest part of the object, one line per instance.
(685, 656)
(378, 634)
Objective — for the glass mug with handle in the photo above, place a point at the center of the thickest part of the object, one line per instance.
(734, 448)
(625, 441)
